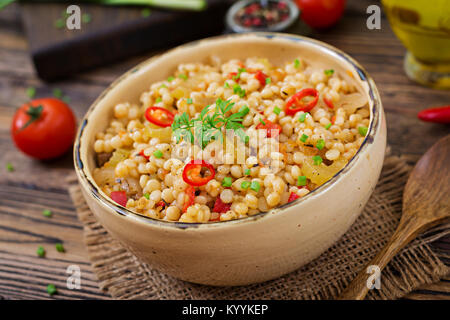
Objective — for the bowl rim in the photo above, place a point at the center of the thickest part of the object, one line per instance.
(105, 201)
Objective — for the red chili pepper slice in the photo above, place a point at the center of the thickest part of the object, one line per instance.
(231, 75)
(190, 192)
(293, 196)
(141, 153)
(120, 197)
(333, 119)
(329, 103)
(220, 206)
(273, 129)
(198, 173)
(438, 115)
(159, 116)
(261, 77)
(295, 101)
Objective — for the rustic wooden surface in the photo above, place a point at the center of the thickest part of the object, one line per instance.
(35, 186)
(113, 33)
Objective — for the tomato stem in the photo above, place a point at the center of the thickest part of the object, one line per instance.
(34, 113)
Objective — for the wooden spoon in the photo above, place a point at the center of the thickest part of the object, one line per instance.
(426, 203)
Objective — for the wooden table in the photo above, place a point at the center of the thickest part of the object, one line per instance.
(35, 186)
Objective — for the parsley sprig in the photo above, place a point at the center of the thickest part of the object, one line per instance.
(209, 126)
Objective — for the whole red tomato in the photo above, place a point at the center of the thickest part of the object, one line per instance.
(43, 128)
(321, 13)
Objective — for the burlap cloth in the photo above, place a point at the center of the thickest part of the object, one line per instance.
(123, 276)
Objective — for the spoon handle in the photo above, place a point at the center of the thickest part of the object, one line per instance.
(359, 287)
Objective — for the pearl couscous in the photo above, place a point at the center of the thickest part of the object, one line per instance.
(223, 141)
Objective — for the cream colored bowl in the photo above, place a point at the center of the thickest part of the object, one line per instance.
(257, 248)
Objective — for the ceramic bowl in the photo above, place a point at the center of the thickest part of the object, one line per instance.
(261, 247)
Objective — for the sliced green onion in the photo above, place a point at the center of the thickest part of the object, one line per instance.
(301, 181)
(268, 80)
(183, 76)
(51, 289)
(40, 251)
(302, 117)
(329, 72)
(31, 92)
(59, 247)
(162, 86)
(226, 85)
(246, 139)
(189, 100)
(317, 160)
(9, 167)
(328, 126)
(47, 213)
(262, 121)
(255, 186)
(362, 131)
(159, 99)
(296, 63)
(245, 185)
(170, 79)
(158, 154)
(303, 138)
(247, 172)
(276, 110)
(226, 182)
(237, 89)
(320, 144)
(147, 196)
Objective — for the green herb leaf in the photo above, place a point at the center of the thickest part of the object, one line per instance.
(329, 72)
